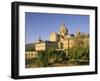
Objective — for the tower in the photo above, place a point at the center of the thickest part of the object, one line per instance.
(54, 37)
(77, 33)
(63, 30)
(39, 40)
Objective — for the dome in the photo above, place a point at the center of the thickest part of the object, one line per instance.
(63, 30)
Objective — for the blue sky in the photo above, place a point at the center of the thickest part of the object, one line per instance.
(42, 24)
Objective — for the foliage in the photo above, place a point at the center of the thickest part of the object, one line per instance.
(76, 55)
(30, 47)
(49, 57)
(42, 60)
(79, 53)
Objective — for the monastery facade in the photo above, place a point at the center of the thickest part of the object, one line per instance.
(58, 41)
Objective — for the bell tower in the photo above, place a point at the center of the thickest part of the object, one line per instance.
(63, 30)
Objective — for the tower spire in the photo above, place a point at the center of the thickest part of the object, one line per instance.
(78, 32)
(62, 24)
(39, 39)
(63, 30)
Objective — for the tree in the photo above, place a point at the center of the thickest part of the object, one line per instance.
(42, 60)
(79, 54)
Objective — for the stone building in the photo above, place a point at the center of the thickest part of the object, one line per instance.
(63, 38)
(31, 54)
(43, 45)
(58, 41)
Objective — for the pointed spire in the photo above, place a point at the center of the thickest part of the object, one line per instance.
(63, 30)
(62, 25)
(78, 32)
(39, 39)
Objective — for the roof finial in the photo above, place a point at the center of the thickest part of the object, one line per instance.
(78, 32)
(62, 25)
(39, 39)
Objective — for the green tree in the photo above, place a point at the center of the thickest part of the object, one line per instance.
(79, 54)
(42, 60)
